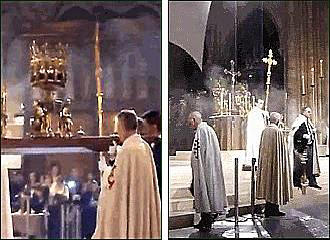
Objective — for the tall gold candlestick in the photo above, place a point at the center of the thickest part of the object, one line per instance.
(313, 80)
(313, 96)
(221, 102)
(320, 90)
(98, 71)
(303, 85)
(285, 108)
(229, 103)
(321, 68)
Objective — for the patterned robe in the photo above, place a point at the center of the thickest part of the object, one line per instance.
(129, 206)
(208, 182)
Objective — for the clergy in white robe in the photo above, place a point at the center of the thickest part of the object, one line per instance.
(256, 123)
(208, 185)
(129, 202)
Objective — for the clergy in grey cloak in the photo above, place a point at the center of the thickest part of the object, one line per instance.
(274, 181)
(129, 202)
(208, 185)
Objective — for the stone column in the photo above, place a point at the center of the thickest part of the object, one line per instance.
(310, 52)
(293, 51)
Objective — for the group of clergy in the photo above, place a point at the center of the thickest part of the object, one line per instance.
(279, 160)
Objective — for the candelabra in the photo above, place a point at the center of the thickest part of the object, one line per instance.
(48, 70)
(228, 102)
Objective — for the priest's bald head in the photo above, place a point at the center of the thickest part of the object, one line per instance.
(275, 118)
(126, 123)
(194, 119)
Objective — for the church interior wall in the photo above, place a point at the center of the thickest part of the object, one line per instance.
(302, 29)
(130, 59)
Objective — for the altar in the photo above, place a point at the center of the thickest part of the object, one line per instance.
(7, 161)
(230, 130)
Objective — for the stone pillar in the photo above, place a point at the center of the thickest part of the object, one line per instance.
(310, 53)
(292, 66)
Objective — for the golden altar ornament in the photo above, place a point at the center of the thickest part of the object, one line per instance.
(228, 102)
(48, 66)
(65, 120)
(48, 71)
(4, 116)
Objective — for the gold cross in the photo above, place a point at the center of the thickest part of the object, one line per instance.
(270, 61)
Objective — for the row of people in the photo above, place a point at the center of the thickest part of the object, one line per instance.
(42, 190)
(279, 168)
(302, 142)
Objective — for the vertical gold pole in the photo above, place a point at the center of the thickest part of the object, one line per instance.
(98, 71)
(321, 77)
(267, 96)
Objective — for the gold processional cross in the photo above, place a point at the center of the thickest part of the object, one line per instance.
(270, 61)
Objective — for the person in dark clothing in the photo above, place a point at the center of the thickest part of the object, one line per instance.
(152, 134)
(38, 200)
(303, 148)
(89, 198)
(16, 186)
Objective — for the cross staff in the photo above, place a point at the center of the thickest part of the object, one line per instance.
(270, 62)
(232, 72)
(233, 75)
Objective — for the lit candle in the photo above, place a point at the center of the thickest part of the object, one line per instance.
(229, 102)
(221, 102)
(313, 83)
(303, 85)
(321, 70)
(246, 102)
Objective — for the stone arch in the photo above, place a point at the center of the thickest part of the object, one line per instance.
(65, 8)
(76, 12)
(90, 7)
(184, 73)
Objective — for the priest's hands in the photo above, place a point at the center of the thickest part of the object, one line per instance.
(307, 136)
(111, 177)
(102, 163)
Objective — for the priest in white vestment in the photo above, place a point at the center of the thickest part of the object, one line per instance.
(129, 202)
(208, 185)
(256, 123)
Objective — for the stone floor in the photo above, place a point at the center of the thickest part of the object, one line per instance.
(295, 224)
(307, 216)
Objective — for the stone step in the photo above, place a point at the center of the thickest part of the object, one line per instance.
(180, 192)
(182, 204)
(323, 150)
(185, 155)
